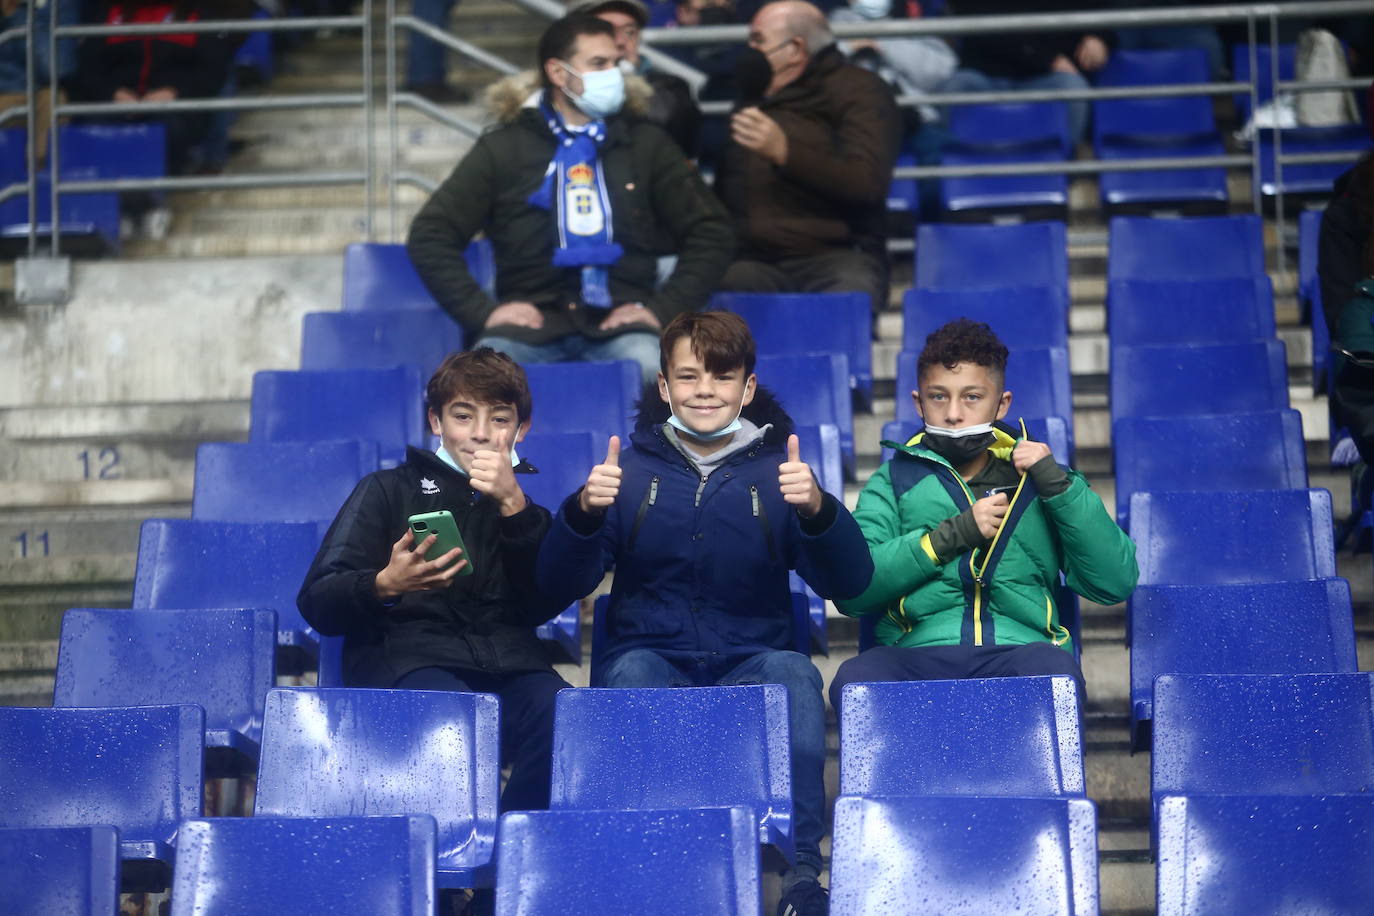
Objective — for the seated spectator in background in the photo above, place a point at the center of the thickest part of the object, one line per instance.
(14, 62)
(969, 525)
(911, 65)
(807, 172)
(426, 70)
(671, 106)
(991, 61)
(464, 620)
(578, 201)
(702, 517)
(161, 68)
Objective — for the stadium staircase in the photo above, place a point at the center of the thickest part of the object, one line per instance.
(82, 466)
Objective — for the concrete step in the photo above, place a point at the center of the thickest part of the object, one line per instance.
(80, 530)
(65, 461)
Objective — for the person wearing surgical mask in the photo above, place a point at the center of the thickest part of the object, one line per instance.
(971, 525)
(911, 64)
(578, 197)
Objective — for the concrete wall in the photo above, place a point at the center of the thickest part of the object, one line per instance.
(174, 330)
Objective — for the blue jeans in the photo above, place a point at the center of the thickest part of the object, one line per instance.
(976, 81)
(425, 61)
(806, 718)
(640, 346)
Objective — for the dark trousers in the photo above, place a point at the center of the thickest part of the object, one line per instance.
(946, 663)
(526, 699)
(831, 272)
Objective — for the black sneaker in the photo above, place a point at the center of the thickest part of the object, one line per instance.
(806, 898)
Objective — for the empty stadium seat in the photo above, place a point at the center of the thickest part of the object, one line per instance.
(60, 870)
(385, 406)
(576, 863)
(138, 769)
(1263, 734)
(1182, 380)
(278, 481)
(964, 855)
(305, 865)
(1232, 537)
(587, 397)
(1266, 628)
(1237, 451)
(1312, 177)
(1022, 317)
(787, 323)
(1264, 69)
(378, 340)
(188, 563)
(937, 738)
(347, 752)
(1039, 196)
(1265, 854)
(820, 448)
(1155, 67)
(677, 748)
(1191, 191)
(954, 256)
(381, 276)
(814, 390)
(1214, 310)
(223, 660)
(1196, 248)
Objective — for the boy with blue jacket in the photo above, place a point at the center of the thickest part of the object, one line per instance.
(702, 518)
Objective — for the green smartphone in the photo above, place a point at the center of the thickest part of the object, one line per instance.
(439, 523)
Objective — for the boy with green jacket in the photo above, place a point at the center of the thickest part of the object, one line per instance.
(969, 527)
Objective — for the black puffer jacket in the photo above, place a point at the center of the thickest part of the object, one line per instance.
(482, 621)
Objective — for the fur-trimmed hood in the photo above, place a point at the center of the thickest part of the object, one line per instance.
(652, 412)
(507, 96)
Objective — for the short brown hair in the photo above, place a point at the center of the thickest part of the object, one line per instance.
(485, 375)
(963, 341)
(720, 339)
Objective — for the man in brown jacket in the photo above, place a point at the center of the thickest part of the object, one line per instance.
(807, 170)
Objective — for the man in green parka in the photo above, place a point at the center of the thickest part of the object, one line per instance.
(970, 526)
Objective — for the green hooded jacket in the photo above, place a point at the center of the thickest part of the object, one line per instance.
(1000, 594)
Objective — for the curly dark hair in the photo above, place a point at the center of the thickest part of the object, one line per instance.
(963, 341)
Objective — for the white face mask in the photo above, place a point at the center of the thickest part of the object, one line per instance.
(603, 92)
(872, 9)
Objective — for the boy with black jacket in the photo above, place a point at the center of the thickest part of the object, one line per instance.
(465, 620)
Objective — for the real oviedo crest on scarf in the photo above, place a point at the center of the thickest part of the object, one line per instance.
(582, 204)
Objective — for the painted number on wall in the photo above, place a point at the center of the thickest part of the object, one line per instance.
(104, 465)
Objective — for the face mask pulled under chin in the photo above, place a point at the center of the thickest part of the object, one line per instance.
(729, 429)
(959, 446)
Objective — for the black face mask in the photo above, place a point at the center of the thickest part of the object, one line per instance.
(753, 73)
(717, 15)
(958, 452)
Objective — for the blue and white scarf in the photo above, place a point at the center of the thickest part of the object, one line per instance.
(582, 208)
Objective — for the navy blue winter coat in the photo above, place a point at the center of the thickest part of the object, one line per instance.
(702, 566)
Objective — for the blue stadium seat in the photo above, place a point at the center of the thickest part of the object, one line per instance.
(1199, 190)
(1050, 430)
(1264, 67)
(1196, 248)
(1263, 734)
(975, 855)
(902, 194)
(378, 340)
(345, 752)
(278, 481)
(1214, 310)
(954, 256)
(1038, 380)
(1267, 628)
(1022, 317)
(677, 748)
(385, 406)
(114, 150)
(587, 397)
(255, 53)
(1225, 538)
(222, 660)
(1010, 125)
(146, 778)
(60, 870)
(1263, 854)
(380, 276)
(1310, 296)
(1308, 178)
(1178, 380)
(576, 863)
(820, 448)
(1039, 196)
(1157, 454)
(814, 390)
(243, 865)
(1155, 67)
(937, 737)
(1162, 122)
(88, 223)
(188, 563)
(786, 323)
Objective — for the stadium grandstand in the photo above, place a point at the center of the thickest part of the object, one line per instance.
(210, 330)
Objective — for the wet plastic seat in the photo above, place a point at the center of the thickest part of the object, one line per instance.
(60, 870)
(956, 256)
(1179, 380)
(1022, 317)
(381, 276)
(278, 481)
(379, 340)
(1195, 248)
(1211, 310)
(590, 397)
